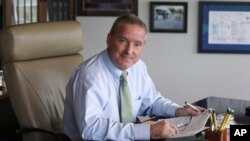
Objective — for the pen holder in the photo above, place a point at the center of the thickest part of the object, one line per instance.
(216, 135)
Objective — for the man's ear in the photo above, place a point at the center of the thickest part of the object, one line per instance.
(108, 39)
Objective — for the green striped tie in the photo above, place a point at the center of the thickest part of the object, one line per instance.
(126, 106)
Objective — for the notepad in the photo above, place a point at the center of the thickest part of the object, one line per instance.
(190, 125)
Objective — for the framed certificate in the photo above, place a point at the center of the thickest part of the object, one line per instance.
(224, 27)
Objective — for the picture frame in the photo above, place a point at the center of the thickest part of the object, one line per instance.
(106, 7)
(168, 17)
(224, 27)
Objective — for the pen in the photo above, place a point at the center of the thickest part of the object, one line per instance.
(192, 107)
(226, 119)
(215, 120)
(211, 118)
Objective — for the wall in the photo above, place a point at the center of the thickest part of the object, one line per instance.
(179, 72)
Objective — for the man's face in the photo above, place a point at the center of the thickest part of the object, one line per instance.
(125, 46)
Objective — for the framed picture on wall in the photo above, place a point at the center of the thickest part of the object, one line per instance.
(106, 7)
(224, 27)
(168, 17)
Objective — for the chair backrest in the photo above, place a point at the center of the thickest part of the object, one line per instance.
(37, 61)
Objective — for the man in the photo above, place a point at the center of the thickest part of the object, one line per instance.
(94, 106)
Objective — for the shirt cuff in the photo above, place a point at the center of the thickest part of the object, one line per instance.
(142, 132)
(172, 109)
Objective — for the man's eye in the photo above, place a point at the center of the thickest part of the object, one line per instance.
(138, 45)
(122, 41)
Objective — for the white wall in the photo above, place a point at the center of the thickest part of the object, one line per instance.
(179, 72)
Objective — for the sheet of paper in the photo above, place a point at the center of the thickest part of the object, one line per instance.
(189, 126)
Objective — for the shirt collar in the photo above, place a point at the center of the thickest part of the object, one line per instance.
(111, 67)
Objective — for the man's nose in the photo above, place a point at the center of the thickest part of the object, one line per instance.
(129, 48)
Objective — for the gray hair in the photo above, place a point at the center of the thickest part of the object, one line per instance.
(128, 19)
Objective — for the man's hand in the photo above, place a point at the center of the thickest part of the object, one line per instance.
(163, 129)
(188, 111)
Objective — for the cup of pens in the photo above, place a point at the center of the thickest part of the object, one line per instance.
(218, 132)
(216, 135)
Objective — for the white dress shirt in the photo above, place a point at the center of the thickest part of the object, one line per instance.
(92, 101)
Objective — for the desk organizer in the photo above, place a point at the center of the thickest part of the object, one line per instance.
(216, 135)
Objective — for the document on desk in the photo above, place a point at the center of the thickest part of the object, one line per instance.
(190, 125)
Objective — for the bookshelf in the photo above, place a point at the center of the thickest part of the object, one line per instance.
(14, 12)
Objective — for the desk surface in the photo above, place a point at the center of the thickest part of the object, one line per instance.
(221, 104)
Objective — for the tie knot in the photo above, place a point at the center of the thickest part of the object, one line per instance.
(124, 75)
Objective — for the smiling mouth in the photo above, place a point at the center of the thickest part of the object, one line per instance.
(127, 57)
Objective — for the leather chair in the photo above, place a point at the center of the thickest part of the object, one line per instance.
(37, 61)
